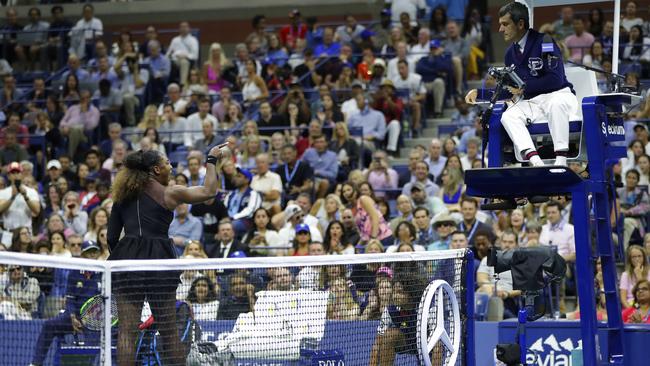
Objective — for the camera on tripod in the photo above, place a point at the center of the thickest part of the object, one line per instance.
(532, 269)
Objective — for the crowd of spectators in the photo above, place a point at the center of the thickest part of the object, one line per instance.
(314, 116)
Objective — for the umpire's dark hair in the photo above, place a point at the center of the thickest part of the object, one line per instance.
(517, 11)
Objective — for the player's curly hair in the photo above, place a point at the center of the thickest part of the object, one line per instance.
(131, 180)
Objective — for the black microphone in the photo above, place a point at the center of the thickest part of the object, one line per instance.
(492, 256)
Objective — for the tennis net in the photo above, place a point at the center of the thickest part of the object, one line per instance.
(401, 309)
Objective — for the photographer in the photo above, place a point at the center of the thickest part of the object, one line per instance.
(486, 281)
(547, 94)
(18, 203)
(380, 175)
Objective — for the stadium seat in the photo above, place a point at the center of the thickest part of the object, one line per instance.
(177, 156)
(446, 129)
(37, 140)
(401, 169)
(391, 193)
(28, 77)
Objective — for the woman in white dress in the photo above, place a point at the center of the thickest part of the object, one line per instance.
(254, 88)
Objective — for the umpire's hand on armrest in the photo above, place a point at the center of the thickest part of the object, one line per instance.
(470, 98)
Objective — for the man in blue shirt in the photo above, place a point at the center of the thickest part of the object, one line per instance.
(547, 94)
(184, 227)
(160, 67)
(434, 69)
(328, 47)
(444, 224)
(324, 162)
(242, 202)
(74, 67)
(371, 122)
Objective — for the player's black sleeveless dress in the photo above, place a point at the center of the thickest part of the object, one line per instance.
(146, 226)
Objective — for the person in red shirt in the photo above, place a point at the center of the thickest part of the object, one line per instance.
(640, 312)
(13, 122)
(364, 68)
(387, 102)
(289, 34)
(305, 142)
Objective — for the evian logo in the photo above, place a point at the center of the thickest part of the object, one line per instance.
(550, 352)
(612, 130)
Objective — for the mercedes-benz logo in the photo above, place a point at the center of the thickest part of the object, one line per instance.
(427, 337)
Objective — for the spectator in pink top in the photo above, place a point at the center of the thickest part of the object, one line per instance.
(380, 175)
(79, 119)
(579, 43)
(636, 269)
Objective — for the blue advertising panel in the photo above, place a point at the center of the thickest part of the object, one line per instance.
(550, 342)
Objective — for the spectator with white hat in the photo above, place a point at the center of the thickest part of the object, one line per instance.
(53, 170)
(444, 225)
(294, 216)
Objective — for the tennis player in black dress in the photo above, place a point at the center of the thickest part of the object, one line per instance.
(143, 207)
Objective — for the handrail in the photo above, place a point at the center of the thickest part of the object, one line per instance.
(276, 27)
(354, 131)
(193, 31)
(7, 31)
(645, 48)
(55, 75)
(213, 97)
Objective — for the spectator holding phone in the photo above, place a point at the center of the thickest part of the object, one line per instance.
(18, 203)
(73, 216)
(380, 175)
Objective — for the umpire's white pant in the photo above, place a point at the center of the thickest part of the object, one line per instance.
(557, 108)
(393, 130)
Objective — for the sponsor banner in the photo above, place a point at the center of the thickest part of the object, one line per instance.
(549, 343)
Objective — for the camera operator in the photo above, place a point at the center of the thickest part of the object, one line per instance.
(18, 203)
(547, 94)
(486, 282)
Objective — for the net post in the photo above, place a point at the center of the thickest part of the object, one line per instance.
(470, 356)
(108, 341)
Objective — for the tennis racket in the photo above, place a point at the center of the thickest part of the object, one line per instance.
(92, 313)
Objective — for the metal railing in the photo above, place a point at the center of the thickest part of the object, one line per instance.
(222, 135)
